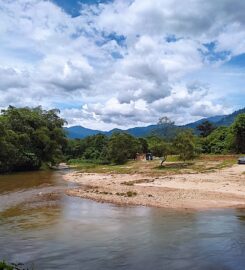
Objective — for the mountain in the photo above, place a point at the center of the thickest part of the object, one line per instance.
(218, 120)
(80, 132)
(229, 119)
(141, 131)
(213, 119)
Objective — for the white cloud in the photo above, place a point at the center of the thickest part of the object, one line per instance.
(12, 78)
(123, 63)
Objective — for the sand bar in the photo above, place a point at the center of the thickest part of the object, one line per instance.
(223, 188)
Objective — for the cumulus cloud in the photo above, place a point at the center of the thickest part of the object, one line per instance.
(13, 78)
(121, 63)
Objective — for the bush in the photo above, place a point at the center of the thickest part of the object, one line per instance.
(184, 144)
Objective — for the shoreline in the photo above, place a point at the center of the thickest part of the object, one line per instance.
(223, 188)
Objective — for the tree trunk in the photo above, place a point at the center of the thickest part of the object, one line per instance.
(163, 159)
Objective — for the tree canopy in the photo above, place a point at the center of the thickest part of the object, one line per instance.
(29, 138)
(238, 130)
(184, 144)
(205, 128)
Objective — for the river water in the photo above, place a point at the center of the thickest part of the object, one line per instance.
(47, 231)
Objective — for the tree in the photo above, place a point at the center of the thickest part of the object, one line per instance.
(184, 144)
(143, 145)
(30, 137)
(205, 128)
(238, 130)
(122, 147)
(218, 142)
(93, 148)
(159, 148)
(165, 128)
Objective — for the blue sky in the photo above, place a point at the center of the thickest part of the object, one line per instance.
(73, 6)
(123, 63)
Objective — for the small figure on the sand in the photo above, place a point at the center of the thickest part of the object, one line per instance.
(148, 156)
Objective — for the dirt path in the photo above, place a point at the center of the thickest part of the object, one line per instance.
(220, 189)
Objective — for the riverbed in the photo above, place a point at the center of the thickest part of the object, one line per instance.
(44, 228)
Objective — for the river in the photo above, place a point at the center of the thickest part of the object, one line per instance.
(45, 229)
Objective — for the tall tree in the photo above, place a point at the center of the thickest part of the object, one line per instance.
(205, 128)
(30, 137)
(165, 128)
(238, 130)
(184, 144)
(122, 147)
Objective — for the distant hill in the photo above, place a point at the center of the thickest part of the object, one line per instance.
(213, 119)
(80, 132)
(218, 120)
(229, 119)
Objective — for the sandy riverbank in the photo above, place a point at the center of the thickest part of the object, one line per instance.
(220, 189)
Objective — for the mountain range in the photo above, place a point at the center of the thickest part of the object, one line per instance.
(80, 132)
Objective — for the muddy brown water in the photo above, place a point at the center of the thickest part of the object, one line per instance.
(45, 229)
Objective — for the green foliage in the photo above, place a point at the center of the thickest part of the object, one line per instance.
(93, 148)
(30, 137)
(159, 148)
(12, 266)
(143, 145)
(238, 130)
(205, 128)
(122, 147)
(218, 142)
(184, 144)
(226, 139)
(103, 150)
(166, 129)
(5, 266)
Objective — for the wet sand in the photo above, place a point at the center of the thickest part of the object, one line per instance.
(223, 188)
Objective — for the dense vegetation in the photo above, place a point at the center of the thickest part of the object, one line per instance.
(223, 140)
(30, 138)
(103, 149)
(121, 147)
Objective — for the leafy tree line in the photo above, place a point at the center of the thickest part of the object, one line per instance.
(30, 138)
(223, 140)
(103, 149)
(121, 147)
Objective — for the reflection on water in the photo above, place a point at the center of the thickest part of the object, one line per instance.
(62, 232)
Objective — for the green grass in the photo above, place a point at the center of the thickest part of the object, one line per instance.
(94, 167)
(202, 164)
(172, 158)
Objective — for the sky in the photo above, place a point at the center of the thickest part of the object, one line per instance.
(123, 63)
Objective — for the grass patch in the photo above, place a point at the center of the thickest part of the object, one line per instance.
(175, 165)
(202, 164)
(131, 193)
(127, 194)
(172, 158)
(131, 183)
(97, 167)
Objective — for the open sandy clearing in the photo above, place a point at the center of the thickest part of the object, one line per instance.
(220, 189)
